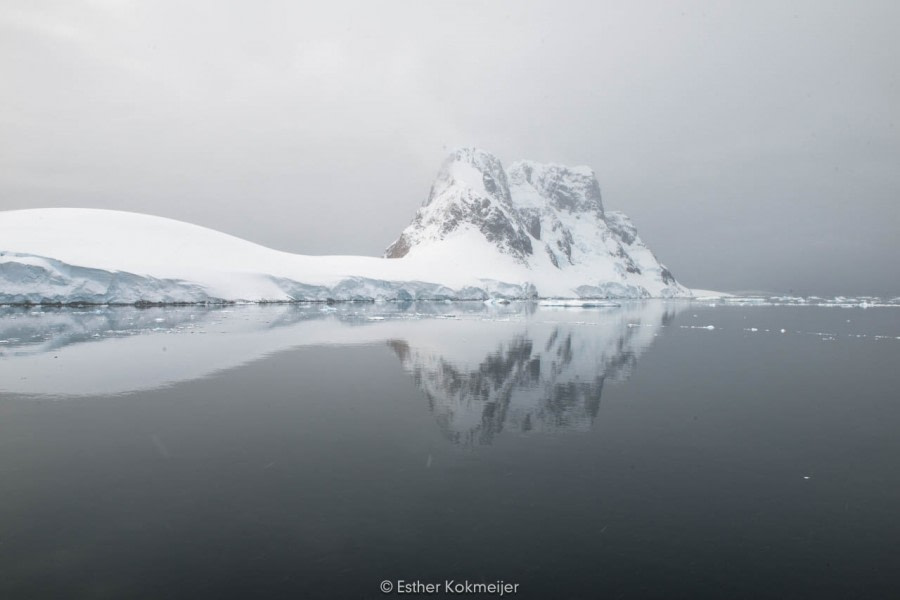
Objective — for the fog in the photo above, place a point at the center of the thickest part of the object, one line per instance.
(755, 145)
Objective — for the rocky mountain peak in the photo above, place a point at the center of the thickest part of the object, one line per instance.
(470, 192)
(474, 169)
(571, 189)
(549, 218)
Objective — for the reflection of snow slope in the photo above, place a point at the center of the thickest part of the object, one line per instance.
(67, 352)
(120, 350)
(545, 376)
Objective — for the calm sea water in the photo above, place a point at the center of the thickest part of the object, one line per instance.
(651, 451)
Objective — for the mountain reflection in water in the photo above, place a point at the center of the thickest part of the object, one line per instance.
(545, 375)
(483, 369)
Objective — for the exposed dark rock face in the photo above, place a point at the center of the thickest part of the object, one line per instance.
(553, 260)
(532, 223)
(667, 276)
(629, 263)
(622, 226)
(570, 189)
(398, 249)
(564, 243)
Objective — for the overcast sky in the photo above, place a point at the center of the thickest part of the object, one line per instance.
(756, 145)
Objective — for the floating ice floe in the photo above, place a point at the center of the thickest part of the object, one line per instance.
(812, 301)
(572, 303)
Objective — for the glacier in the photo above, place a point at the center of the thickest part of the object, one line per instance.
(484, 233)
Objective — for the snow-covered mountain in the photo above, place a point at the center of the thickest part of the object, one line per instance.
(483, 232)
(470, 196)
(548, 218)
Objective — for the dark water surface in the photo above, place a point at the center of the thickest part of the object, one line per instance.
(289, 452)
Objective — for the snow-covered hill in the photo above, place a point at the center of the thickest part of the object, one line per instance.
(539, 230)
